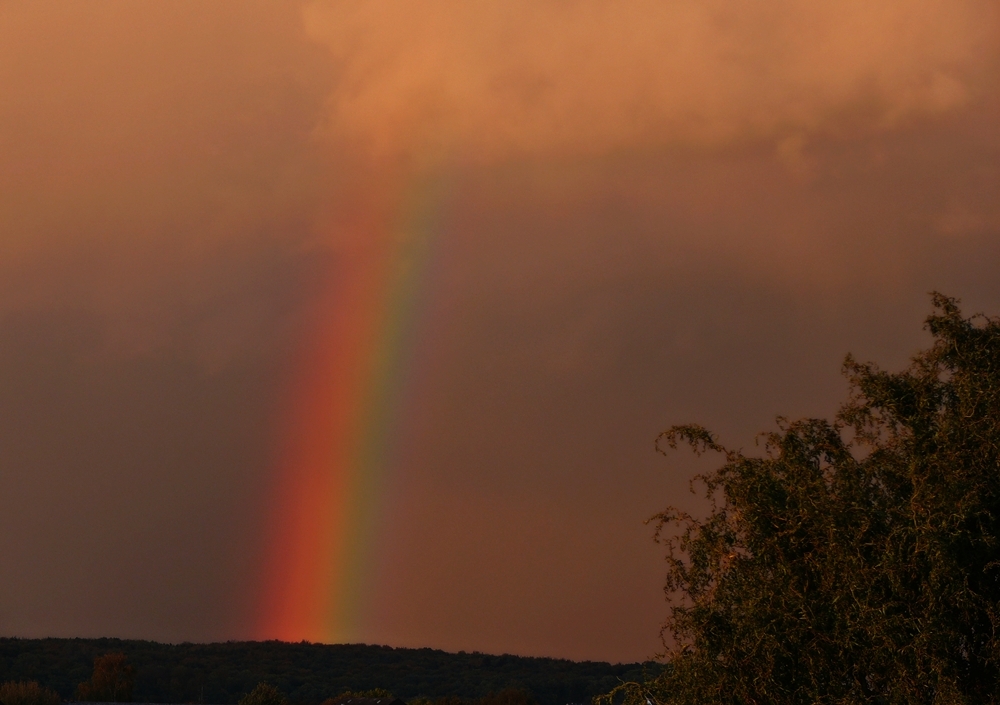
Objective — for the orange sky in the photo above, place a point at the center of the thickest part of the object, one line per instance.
(658, 213)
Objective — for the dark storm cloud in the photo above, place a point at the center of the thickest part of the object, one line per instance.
(133, 481)
(719, 289)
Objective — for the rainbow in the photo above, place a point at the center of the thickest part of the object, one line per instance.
(336, 450)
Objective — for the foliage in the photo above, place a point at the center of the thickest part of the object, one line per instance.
(264, 694)
(447, 700)
(307, 673)
(111, 682)
(508, 696)
(347, 695)
(27, 693)
(857, 561)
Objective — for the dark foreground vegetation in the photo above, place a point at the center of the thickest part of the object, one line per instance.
(304, 673)
(855, 560)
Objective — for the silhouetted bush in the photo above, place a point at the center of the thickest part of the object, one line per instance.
(857, 560)
(353, 694)
(508, 696)
(111, 681)
(306, 673)
(264, 694)
(26, 693)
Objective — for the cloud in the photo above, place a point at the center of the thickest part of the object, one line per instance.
(138, 124)
(495, 79)
(158, 167)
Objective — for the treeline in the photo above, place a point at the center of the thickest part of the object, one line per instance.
(307, 673)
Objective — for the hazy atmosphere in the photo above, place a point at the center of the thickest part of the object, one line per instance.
(456, 264)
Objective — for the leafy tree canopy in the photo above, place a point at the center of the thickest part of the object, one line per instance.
(264, 694)
(373, 693)
(307, 673)
(111, 681)
(856, 561)
(27, 693)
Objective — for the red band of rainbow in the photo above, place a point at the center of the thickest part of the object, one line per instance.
(337, 452)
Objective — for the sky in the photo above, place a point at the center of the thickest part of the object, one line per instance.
(496, 246)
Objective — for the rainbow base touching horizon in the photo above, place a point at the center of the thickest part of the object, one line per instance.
(337, 451)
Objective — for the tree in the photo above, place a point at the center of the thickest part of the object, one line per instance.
(264, 694)
(374, 693)
(111, 681)
(855, 561)
(508, 696)
(27, 693)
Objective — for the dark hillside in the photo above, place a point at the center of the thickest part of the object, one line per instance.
(307, 673)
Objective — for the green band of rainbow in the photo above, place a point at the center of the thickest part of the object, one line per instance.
(338, 448)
